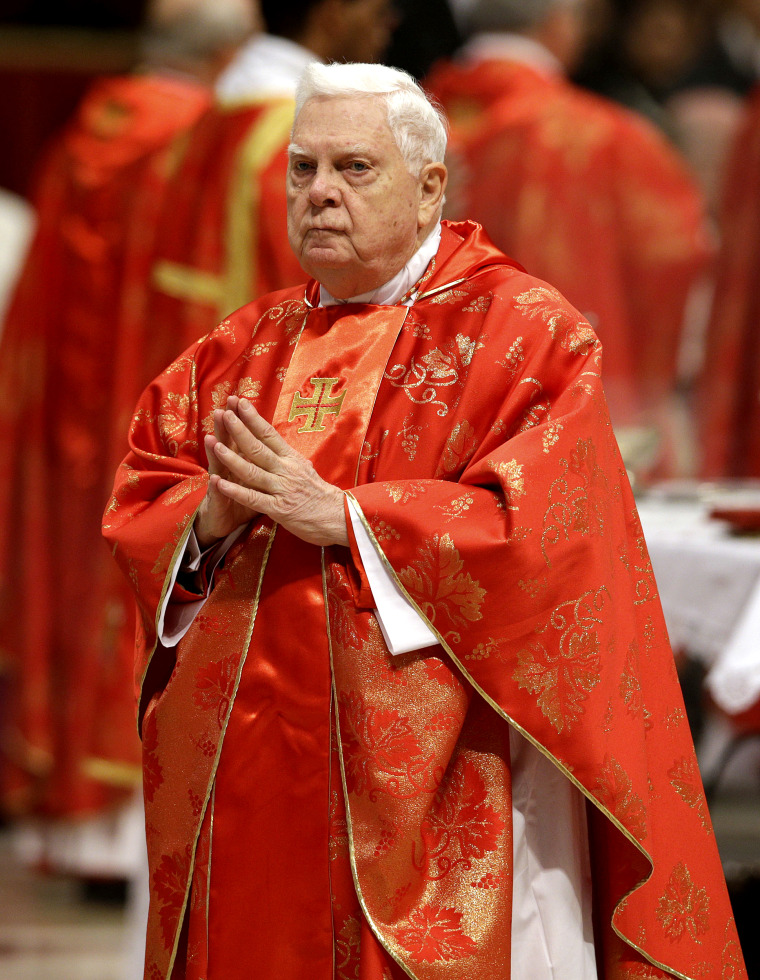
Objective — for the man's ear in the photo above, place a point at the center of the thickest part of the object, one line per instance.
(433, 179)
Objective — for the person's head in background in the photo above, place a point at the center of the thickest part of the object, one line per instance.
(560, 26)
(335, 30)
(196, 37)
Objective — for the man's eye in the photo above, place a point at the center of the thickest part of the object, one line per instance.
(357, 166)
(302, 166)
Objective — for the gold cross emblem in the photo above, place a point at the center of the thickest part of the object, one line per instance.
(322, 403)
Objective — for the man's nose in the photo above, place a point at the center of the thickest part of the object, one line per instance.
(324, 190)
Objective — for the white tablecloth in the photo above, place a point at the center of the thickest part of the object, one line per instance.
(709, 583)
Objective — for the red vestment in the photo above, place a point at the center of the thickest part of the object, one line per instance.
(63, 615)
(590, 198)
(729, 389)
(223, 240)
(311, 798)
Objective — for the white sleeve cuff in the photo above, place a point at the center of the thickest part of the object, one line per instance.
(176, 618)
(403, 628)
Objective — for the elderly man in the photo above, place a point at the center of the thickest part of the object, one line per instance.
(423, 720)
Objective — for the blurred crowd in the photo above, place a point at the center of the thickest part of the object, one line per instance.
(612, 147)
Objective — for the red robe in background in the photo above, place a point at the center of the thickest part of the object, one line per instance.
(317, 807)
(590, 198)
(223, 240)
(64, 617)
(729, 390)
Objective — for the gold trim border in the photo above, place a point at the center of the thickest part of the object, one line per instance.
(215, 764)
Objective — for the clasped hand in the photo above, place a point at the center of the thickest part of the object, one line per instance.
(253, 470)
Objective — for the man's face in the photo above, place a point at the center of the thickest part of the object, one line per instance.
(353, 206)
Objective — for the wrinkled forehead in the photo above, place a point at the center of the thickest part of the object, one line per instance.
(359, 119)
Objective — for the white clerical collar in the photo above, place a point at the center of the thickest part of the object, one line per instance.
(391, 292)
(265, 66)
(511, 47)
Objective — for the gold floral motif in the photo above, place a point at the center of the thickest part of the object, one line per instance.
(450, 296)
(182, 490)
(630, 686)
(577, 498)
(514, 356)
(441, 368)
(165, 555)
(480, 304)
(685, 780)
(402, 493)
(458, 507)
(535, 415)
(545, 303)
(614, 790)
(368, 453)
(142, 417)
(246, 388)
(459, 449)
(414, 325)
(281, 373)
(731, 959)
(683, 908)
(291, 315)
(384, 532)
(533, 586)
(172, 419)
(180, 366)
(347, 945)
(410, 437)
(510, 474)
(564, 672)
(440, 587)
(483, 651)
(674, 719)
(551, 435)
(256, 350)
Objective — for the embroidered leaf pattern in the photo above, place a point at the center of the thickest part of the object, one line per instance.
(380, 750)
(510, 474)
(347, 944)
(461, 825)
(615, 792)
(685, 780)
(214, 686)
(684, 909)
(459, 448)
(546, 304)
(169, 884)
(152, 772)
(172, 420)
(562, 679)
(441, 588)
(435, 934)
(402, 493)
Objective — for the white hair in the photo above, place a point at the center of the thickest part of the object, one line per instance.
(419, 127)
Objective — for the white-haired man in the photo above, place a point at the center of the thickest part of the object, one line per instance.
(371, 734)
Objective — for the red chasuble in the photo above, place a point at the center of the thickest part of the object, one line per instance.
(223, 240)
(589, 197)
(66, 621)
(317, 807)
(729, 390)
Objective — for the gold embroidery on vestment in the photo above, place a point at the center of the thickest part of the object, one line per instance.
(322, 403)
